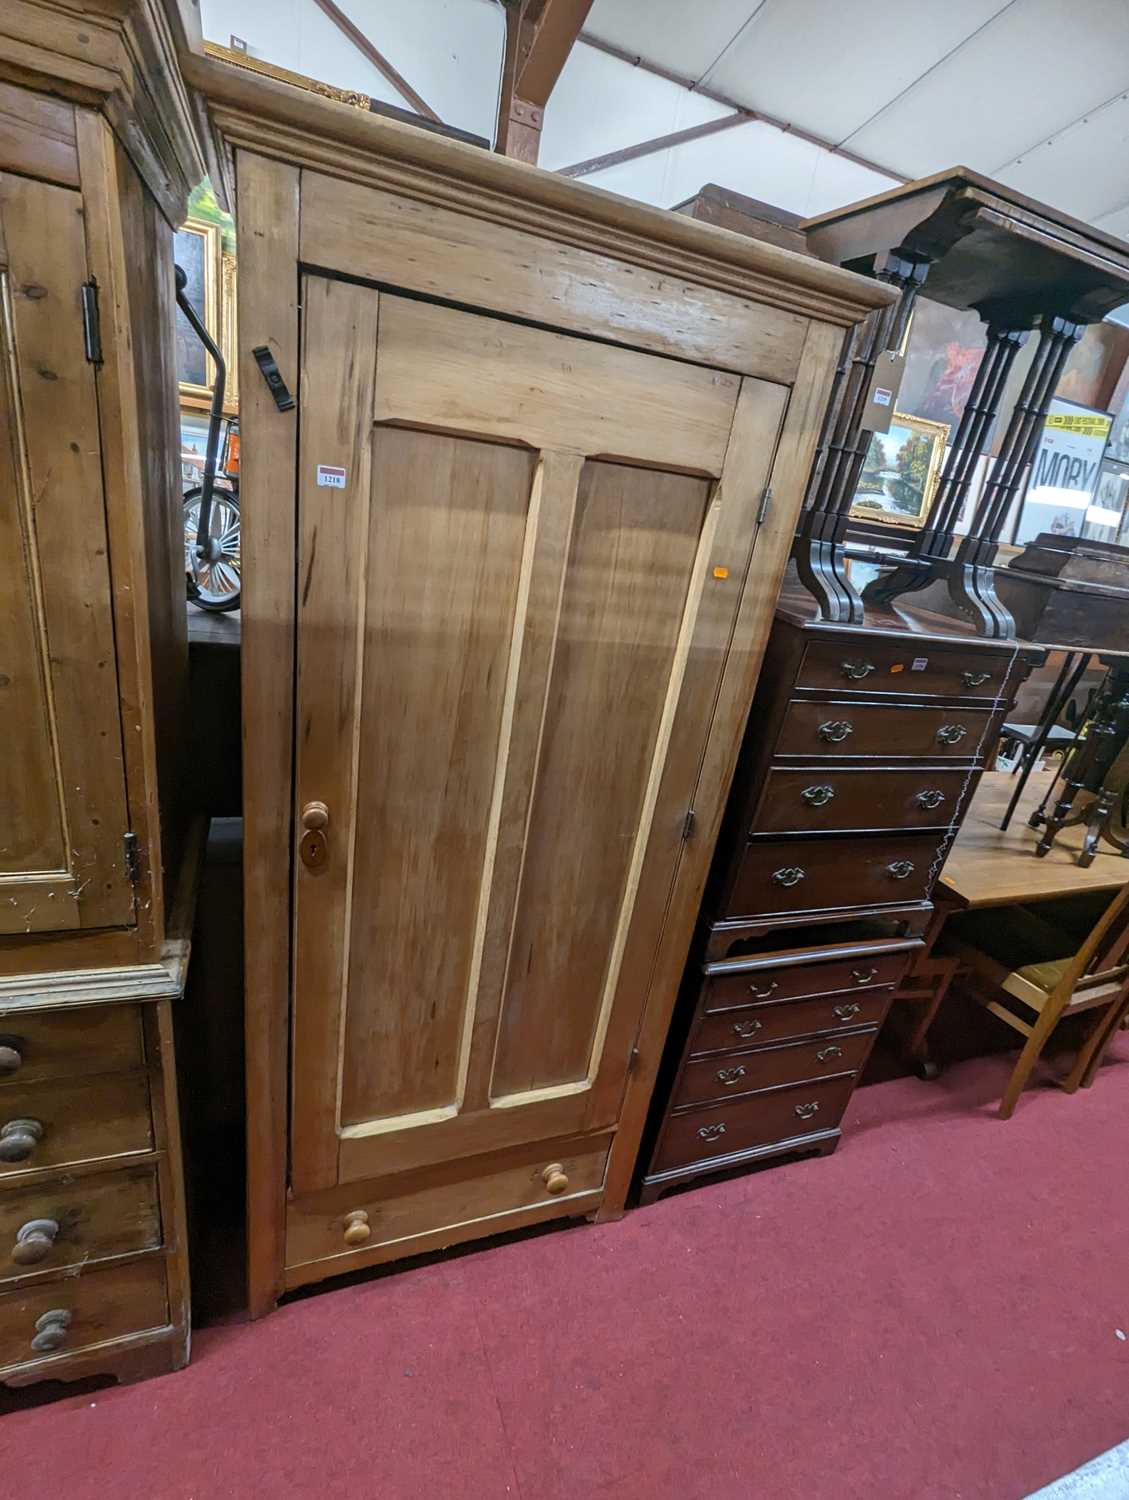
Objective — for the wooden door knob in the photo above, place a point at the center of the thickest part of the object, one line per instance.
(51, 1330)
(19, 1138)
(11, 1058)
(357, 1227)
(554, 1178)
(315, 815)
(34, 1241)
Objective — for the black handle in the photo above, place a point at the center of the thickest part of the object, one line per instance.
(951, 734)
(857, 670)
(975, 679)
(789, 875)
(835, 730)
(817, 796)
(930, 799)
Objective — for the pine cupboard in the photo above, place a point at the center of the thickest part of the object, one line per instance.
(512, 557)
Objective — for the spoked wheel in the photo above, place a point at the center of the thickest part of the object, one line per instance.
(213, 581)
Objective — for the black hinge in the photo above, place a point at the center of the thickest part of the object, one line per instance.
(132, 852)
(688, 824)
(91, 322)
(766, 501)
(273, 377)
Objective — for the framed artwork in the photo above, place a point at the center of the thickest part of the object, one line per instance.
(900, 472)
(204, 248)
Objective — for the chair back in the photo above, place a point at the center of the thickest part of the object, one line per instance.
(1104, 956)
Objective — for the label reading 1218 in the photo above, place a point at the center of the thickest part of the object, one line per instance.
(331, 477)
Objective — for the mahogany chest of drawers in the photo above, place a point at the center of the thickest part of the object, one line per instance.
(863, 748)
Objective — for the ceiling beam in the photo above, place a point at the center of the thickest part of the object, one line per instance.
(378, 60)
(539, 37)
(657, 143)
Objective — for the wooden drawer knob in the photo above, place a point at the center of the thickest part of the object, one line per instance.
(315, 815)
(11, 1058)
(357, 1227)
(51, 1330)
(554, 1178)
(19, 1138)
(34, 1241)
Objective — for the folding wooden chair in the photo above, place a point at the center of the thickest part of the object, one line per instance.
(1056, 982)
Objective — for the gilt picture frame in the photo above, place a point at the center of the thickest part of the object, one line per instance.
(900, 472)
(199, 249)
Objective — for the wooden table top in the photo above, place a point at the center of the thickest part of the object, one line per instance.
(989, 868)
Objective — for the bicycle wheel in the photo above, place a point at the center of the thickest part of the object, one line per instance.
(217, 578)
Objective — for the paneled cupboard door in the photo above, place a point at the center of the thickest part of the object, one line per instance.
(521, 556)
(62, 780)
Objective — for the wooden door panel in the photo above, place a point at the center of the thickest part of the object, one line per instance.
(635, 537)
(62, 778)
(512, 626)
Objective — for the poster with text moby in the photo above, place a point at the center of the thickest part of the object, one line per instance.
(1064, 474)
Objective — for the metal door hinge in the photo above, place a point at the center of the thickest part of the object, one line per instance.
(273, 377)
(633, 1060)
(766, 501)
(132, 852)
(688, 823)
(91, 322)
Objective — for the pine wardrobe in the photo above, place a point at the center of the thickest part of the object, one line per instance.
(512, 551)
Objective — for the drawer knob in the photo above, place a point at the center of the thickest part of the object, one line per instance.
(951, 734)
(901, 869)
(748, 1028)
(555, 1178)
(835, 730)
(730, 1076)
(930, 798)
(845, 1012)
(864, 976)
(51, 1330)
(817, 796)
(825, 1054)
(975, 679)
(789, 875)
(857, 670)
(34, 1241)
(763, 994)
(19, 1138)
(805, 1111)
(712, 1132)
(315, 815)
(11, 1058)
(357, 1227)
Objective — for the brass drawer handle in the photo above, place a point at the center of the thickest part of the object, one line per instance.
(951, 734)
(357, 1228)
(712, 1132)
(864, 976)
(805, 1111)
(930, 799)
(817, 796)
(835, 730)
(975, 679)
(51, 1330)
(730, 1076)
(857, 670)
(19, 1138)
(555, 1178)
(901, 869)
(11, 1058)
(845, 1012)
(789, 875)
(34, 1241)
(746, 1029)
(827, 1053)
(763, 994)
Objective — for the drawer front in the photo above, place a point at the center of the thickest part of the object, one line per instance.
(63, 1317)
(820, 800)
(891, 733)
(878, 666)
(60, 1124)
(38, 1046)
(716, 1078)
(402, 1223)
(794, 1018)
(866, 971)
(760, 1120)
(78, 1222)
(785, 875)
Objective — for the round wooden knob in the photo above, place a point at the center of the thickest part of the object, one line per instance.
(34, 1241)
(11, 1059)
(315, 815)
(357, 1229)
(51, 1330)
(19, 1138)
(554, 1178)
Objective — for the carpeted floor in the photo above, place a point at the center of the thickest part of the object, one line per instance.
(932, 1312)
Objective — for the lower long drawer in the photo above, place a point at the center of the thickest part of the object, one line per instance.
(788, 1020)
(758, 1120)
(365, 1223)
(712, 1079)
(796, 875)
(63, 1317)
(64, 1223)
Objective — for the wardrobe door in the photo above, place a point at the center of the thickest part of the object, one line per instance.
(62, 781)
(520, 560)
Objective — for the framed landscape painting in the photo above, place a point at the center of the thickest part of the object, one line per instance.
(900, 472)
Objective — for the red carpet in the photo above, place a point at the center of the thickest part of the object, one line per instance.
(929, 1313)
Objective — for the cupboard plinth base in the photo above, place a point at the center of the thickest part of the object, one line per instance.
(820, 1143)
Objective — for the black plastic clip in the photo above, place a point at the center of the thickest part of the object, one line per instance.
(273, 377)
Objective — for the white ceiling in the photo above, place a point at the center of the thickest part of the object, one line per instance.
(1032, 92)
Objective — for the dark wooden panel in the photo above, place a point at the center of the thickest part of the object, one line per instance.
(776, 1023)
(785, 875)
(712, 1079)
(892, 733)
(777, 1115)
(902, 667)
